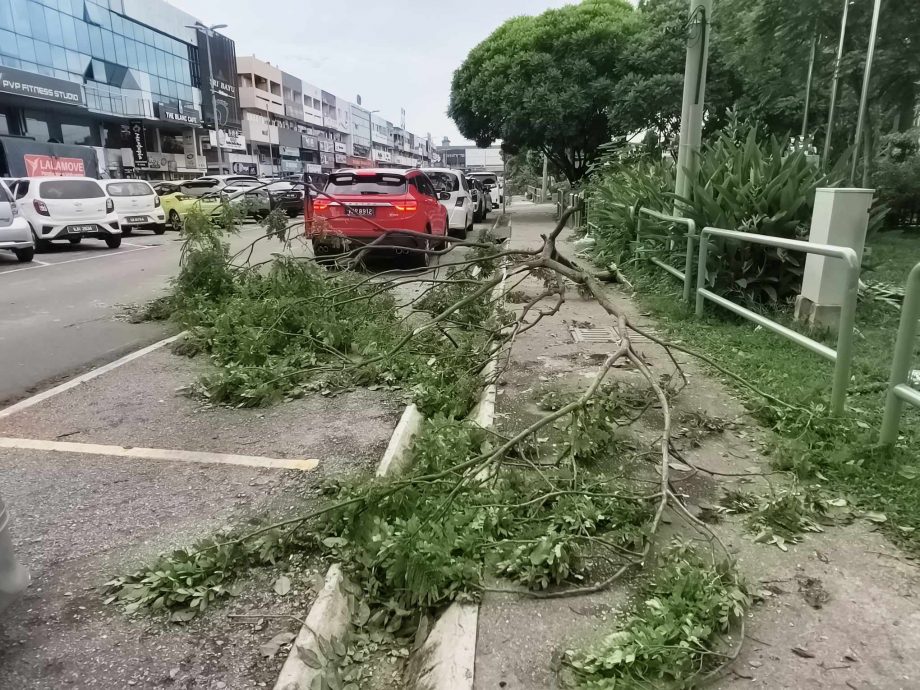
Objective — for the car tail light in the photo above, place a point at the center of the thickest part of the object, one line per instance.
(406, 205)
(109, 205)
(156, 202)
(460, 200)
(323, 204)
(41, 208)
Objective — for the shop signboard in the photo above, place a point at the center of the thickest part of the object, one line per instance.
(221, 85)
(21, 83)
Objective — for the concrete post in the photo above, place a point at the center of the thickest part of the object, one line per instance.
(545, 185)
(691, 114)
(841, 218)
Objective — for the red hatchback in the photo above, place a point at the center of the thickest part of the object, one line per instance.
(360, 205)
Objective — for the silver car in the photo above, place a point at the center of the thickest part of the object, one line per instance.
(15, 232)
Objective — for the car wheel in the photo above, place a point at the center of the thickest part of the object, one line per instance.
(40, 245)
(75, 240)
(293, 213)
(159, 229)
(24, 255)
(175, 220)
(127, 230)
(113, 241)
(422, 259)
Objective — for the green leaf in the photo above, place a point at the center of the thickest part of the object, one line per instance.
(309, 657)
(282, 585)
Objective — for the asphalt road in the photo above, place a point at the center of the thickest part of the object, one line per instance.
(65, 312)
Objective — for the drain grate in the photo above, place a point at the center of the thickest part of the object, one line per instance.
(602, 335)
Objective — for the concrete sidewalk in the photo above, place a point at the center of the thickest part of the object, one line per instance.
(871, 589)
(80, 517)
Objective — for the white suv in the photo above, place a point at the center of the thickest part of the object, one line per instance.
(455, 195)
(137, 205)
(15, 234)
(67, 208)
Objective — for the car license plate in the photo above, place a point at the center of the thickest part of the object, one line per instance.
(79, 229)
(137, 219)
(359, 210)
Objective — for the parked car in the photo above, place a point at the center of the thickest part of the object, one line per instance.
(138, 206)
(176, 202)
(286, 195)
(482, 202)
(217, 183)
(15, 233)
(454, 193)
(67, 208)
(359, 205)
(493, 184)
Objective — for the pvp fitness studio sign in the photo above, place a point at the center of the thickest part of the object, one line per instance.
(21, 83)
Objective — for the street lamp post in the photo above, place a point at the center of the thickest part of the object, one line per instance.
(864, 97)
(833, 99)
(208, 31)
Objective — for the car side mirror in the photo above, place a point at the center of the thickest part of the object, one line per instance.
(444, 196)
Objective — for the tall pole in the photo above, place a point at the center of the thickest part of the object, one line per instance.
(545, 186)
(220, 155)
(691, 112)
(864, 98)
(811, 73)
(833, 99)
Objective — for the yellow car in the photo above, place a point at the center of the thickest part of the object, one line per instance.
(177, 199)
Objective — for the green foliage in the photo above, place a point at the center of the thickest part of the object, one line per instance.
(897, 176)
(545, 82)
(669, 637)
(746, 182)
(294, 327)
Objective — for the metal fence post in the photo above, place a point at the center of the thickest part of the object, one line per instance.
(845, 334)
(688, 263)
(701, 270)
(900, 365)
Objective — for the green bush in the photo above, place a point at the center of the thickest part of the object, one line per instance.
(746, 182)
(897, 176)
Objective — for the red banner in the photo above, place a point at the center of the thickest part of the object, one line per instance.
(53, 166)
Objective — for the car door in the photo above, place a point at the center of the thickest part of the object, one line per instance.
(7, 207)
(437, 214)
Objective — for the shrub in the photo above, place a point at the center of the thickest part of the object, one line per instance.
(746, 182)
(897, 176)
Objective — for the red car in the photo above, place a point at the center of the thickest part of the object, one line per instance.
(358, 206)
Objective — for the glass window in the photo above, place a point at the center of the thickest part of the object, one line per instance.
(117, 27)
(38, 129)
(121, 53)
(55, 32)
(74, 63)
(82, 36)
(7, 41)
(6, 15)
(151, 59)
(21, 17)
(43, 53)
(69, 32)
(59, 58)
(129, 189)
(76, 8)
(77, 134)
(95, 41)
(70, 189)
(37, 19)
(161, 64)
(26, 48)
(108, 45)
(132, 54)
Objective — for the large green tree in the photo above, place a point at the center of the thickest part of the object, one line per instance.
(545, 82)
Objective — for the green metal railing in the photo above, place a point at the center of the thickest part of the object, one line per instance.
(899, 390)
(841, 357)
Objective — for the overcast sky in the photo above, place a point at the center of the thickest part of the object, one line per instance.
(396, 54)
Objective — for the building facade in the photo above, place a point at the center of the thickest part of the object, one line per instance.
(471, 158)
(126, 77)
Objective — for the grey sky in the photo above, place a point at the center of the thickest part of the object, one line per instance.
(398, 53)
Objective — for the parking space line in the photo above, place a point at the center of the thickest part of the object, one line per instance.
(166, 454)
(42, 264)
(83, 378)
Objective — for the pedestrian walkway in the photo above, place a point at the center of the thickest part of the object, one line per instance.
(860, 636)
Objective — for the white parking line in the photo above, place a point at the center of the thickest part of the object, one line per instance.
(167, 454)
(42, 264)
(83, 378)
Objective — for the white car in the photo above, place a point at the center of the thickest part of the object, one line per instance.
(15, 234)
(137, 205)
(494, 185)
(67, 208)
(455, 195)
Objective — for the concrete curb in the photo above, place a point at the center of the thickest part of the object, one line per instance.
(329, 618)
(396, 455)
(447, 659)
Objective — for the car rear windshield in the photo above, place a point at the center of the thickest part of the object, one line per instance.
(198, 188)
(70, 189)
(129, 189)
(444, 182)
(486, 179)
(380, 183)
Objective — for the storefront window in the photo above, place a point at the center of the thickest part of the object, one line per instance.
(37, 129)
(77, 134)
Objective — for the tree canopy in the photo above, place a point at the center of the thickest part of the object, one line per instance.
(544, 82)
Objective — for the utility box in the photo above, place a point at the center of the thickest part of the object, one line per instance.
(841, 218)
